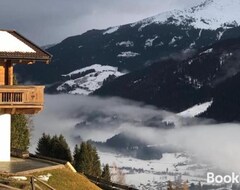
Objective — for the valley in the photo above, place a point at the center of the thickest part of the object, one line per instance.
(159, 97)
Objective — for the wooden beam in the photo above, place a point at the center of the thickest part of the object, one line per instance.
(13, 110)
(20, 111)
(23, 61)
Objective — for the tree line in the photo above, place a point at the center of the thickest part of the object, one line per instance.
(85, 158)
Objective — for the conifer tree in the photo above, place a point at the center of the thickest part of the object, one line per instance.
(60, 148)
(96, 165)
(93, 162)
(76, 158)
(86, 160)
(55, 147)
(20, 132)
(44, 145)
(106, 173)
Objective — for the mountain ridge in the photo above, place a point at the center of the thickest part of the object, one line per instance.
(127, 48)
(206, 15)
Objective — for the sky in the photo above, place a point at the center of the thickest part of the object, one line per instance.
(47, 22)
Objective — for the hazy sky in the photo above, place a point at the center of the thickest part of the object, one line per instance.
(50, 21)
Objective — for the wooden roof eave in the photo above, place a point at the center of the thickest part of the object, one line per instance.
(29, 42)
(24, 60)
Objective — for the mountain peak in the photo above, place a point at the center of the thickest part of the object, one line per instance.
(209, 14)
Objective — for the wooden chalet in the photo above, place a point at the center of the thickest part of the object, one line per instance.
(19, 99)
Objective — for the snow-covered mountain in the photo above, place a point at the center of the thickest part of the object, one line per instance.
(210, 14)
(136, 45)
(85, 81)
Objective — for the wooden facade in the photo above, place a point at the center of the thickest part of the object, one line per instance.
(15, 99)
(21, 99)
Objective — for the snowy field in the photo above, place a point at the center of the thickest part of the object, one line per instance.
(154, 174)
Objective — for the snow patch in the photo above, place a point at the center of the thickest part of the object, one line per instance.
(149, 42)
(86, 80)
(125, 43)
(194, 82)
(128, 54)
(111, 30)
(220, 34)
(224, 57)
(196, 110)
(190, 62)
(207, 51)
(199, 34)
(19, 178)
(45, 177)
(192, 45)
(160, 44)
(174, 39)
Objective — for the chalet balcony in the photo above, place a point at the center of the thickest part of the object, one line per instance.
(21, 99)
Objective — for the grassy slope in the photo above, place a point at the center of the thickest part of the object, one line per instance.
(63, 179)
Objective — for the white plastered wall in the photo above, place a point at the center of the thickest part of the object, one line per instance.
(5, 137)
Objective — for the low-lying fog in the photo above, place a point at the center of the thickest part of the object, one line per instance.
(99, 119)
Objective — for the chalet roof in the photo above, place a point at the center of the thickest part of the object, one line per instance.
(15, 47)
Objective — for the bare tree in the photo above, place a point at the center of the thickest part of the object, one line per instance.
(117, 175)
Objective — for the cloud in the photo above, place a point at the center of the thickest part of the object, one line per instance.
(47, 22)
(89, 117)
(101, 118)
(96, 118)
(217, 145)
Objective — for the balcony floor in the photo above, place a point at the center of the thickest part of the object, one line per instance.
(21, 165)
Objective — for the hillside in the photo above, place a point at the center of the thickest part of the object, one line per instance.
(178, 85)
(63, 179)
(60, 179)
(136, 45)
(226, 104)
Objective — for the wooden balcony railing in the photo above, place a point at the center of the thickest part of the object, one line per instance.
(21, 99)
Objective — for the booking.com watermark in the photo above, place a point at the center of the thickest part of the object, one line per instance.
(220, 179)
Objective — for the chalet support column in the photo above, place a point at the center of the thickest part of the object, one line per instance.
(10, 73)
(2, 74)
(5, 137)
